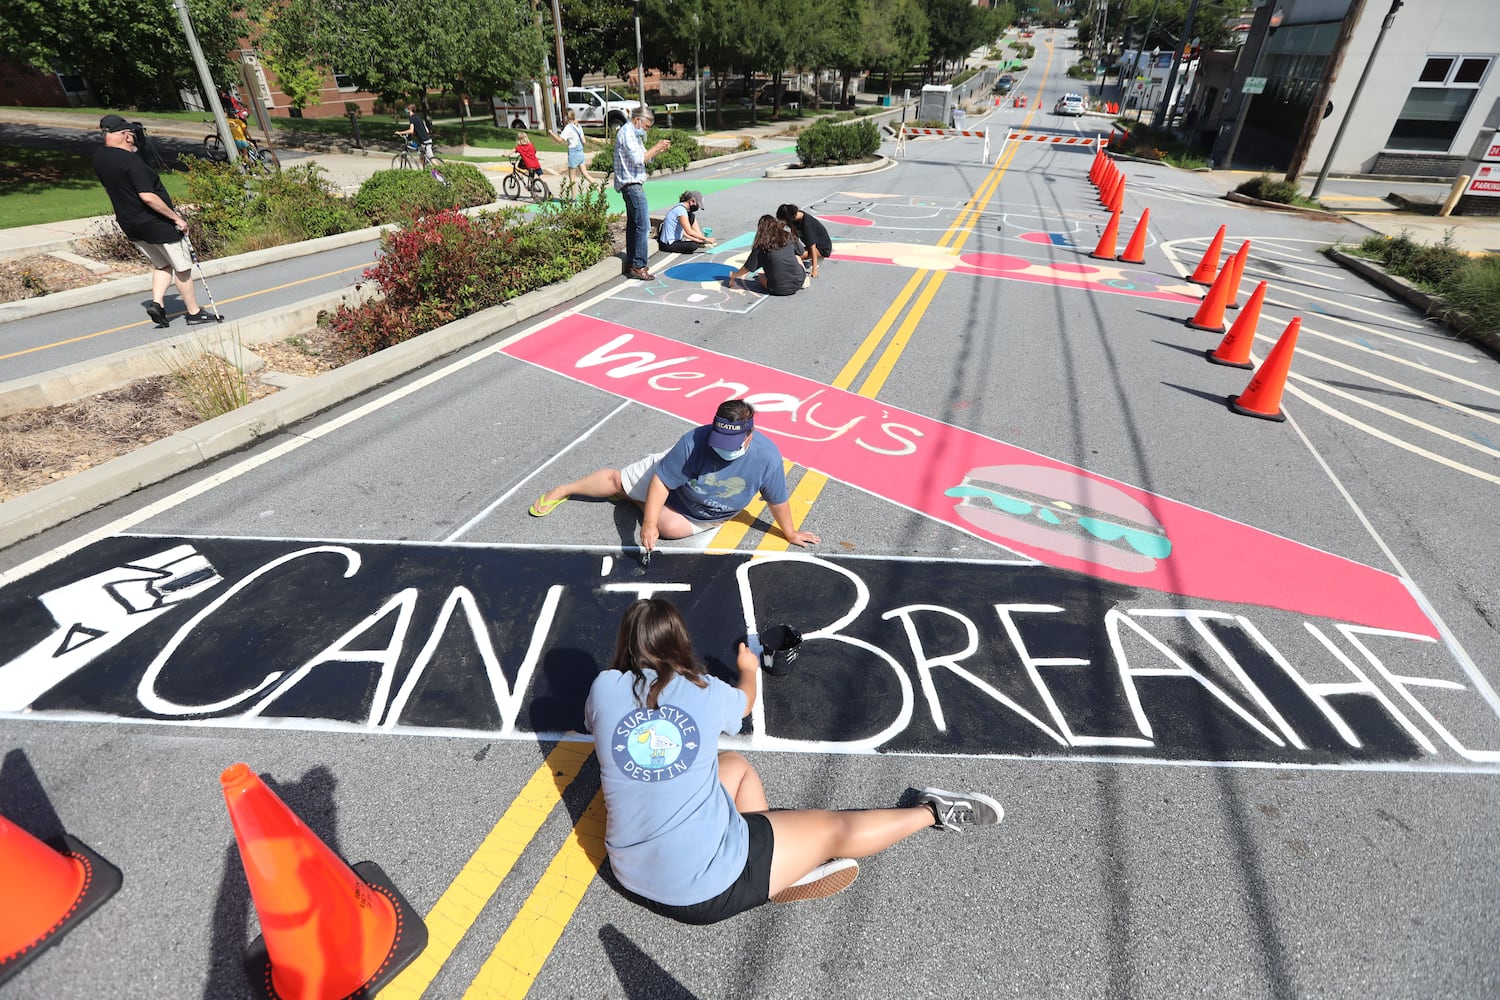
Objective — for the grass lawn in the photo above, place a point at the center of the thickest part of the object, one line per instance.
(44, 185)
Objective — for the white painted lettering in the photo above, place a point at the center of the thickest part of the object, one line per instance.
(145, 691)
(655, 380)
(736, 389)
(907, 447)
(926, 662)
(1318, 694)
(635, 362)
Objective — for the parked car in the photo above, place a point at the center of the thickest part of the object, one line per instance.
(1005, 84)
(596, 106)
(1069, 104)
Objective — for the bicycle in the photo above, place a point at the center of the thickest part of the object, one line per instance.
(424, 160)
(531, 180)
(256, 160)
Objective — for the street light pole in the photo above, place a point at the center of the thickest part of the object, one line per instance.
(1390, 19)
(562, 66)
(640, 66)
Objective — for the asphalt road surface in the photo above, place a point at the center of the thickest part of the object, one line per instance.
(1232, 678)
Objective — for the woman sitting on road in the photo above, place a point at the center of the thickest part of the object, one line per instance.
(689, 831)
(776, 251)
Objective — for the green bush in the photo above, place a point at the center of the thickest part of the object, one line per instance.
(470, 186)
(1476, 291)
(821, 144)
(447, 265)
(1266, 189)
(301, 204)
(402, 195)
(221, 205)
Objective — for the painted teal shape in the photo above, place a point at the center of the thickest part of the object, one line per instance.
(1147, 543)
(662, 194)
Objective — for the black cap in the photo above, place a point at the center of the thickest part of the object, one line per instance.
(113, 123)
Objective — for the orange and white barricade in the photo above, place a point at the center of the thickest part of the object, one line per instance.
(902, 131)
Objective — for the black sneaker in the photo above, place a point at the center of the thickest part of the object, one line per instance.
(956, 811)
(157, 313)
(200, 317)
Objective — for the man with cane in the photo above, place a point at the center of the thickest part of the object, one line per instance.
(143, 208)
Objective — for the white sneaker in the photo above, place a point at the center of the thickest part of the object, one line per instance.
(827, 879)
(957, 810)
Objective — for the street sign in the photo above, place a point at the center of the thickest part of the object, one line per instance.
(1492, 148)
(1254, 85)
(1486, 181)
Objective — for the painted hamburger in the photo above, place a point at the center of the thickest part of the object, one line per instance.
(1060, 511)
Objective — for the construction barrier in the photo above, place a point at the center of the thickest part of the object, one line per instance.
(983, 134)
(1086, 142)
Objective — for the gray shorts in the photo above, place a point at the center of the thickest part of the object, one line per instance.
(635, 480)
(162, 255)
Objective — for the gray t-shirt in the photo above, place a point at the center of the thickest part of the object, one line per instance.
(672, 831)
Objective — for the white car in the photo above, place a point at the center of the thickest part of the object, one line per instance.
(595, 106)
(1069, 104)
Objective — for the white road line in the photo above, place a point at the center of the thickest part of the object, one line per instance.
(1374, 332)
(534, 473)
(1368, 312)
(1393, 414)
(1481, 684)
(1278, 277)
(296, 440)
(1376, 432)
(1403, 387)
(1394, 360)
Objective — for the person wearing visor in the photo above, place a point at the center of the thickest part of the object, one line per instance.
(710, 475)
(144, 210)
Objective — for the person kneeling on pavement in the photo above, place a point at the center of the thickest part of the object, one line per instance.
(709, 476)
(146, 216)
(775, 250)
(817, 244)
(679, 231)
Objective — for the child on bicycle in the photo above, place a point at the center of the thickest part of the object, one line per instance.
(527, 152)
(240, 132)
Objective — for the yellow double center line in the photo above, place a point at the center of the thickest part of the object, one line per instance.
(523, 949)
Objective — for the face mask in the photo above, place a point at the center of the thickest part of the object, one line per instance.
(640, 133)
(730, 456)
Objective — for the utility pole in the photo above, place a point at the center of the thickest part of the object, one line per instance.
(562, 66)
(640, 66)
(1269, 29)
(206, 80)
(1318, 108)
(1390, 19)
(1164, 112)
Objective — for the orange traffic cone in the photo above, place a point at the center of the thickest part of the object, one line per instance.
(1210, 314)
(326, 930)
(1106, 248)
(1262, 397)
(1234, 349)
(1094, 167)
(1209, 265)
(1039, 102)
(1117, 198)
(1107, 192)
(1237, 263)
(47, 892)
(1135, 250)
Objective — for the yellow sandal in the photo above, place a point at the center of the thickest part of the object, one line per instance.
(543, 506)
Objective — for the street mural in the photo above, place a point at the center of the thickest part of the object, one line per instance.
(1049, 511)
(898, 655)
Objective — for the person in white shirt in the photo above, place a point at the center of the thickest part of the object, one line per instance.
(572, 137)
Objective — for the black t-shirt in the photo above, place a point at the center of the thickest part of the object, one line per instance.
(419, 127)
(125, 177)
(783, 271)
(814, 234)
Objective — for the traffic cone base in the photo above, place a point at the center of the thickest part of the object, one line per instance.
(1213, 356)
(101, 880)
(1234, 404)
(410, 940)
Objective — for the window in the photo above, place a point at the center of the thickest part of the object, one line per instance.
(342, 81)
(1436, 107)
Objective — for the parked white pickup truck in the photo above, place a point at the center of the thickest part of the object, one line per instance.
(599, 107)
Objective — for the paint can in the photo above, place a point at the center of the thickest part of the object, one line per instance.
(780, 645)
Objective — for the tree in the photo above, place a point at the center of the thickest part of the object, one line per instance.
(599, 36)
(839, 41)
(132, 54)
(896, 36)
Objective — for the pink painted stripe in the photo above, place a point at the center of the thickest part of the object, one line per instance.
(911, 460)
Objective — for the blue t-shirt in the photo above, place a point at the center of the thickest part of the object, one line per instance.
(671, 224)
(672, 831)
(704, 487)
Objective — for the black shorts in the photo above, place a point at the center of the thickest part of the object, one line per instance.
(751, 889)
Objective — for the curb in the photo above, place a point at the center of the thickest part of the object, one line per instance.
(881, 162)
(1399, 287)
(56, 503)
(1306, 213)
